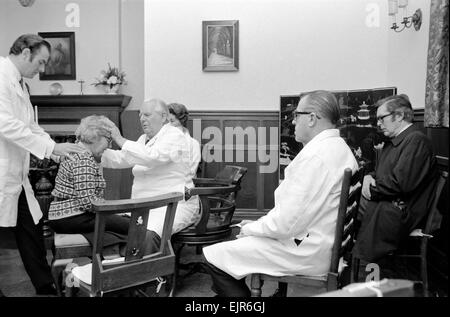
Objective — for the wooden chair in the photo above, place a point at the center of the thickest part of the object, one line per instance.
(343, 242)
(421, 236)
(217, 205)
(230, 174)
(136, 269)
(416, 246)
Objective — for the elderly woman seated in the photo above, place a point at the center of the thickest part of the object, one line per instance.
(80, 181)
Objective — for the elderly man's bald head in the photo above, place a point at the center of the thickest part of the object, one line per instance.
(155, 105)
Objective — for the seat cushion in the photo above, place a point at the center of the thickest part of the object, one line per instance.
(70, 240)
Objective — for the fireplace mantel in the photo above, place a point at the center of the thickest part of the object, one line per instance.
(70, 109)
(119, 101)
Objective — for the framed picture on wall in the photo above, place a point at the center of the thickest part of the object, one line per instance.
(220, 46)
(61, 65)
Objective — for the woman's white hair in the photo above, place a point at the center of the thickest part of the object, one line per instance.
(92, 128)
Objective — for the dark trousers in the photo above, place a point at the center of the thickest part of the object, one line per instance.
(116, 230)
(30, 243)
(116, 227)
(224, 285)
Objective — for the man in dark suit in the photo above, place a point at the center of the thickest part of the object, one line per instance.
(398, 194)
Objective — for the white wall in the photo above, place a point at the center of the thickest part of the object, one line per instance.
(110, 31)
(285, 47)
(407, 56)
(96, 40)
(132, 50)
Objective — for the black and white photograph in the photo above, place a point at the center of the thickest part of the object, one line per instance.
(231, 156)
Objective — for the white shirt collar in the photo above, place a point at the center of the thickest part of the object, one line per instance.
(328, 133)
(162, 130)
(404, 128)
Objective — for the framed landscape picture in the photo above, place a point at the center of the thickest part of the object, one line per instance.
(61, 65)
(220, 46)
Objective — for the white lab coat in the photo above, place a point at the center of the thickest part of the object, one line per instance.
(195, 154)
(306, 206)
(19, 136)
(161, 166)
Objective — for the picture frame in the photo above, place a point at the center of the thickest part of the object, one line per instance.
(61, 64)
(220, 46)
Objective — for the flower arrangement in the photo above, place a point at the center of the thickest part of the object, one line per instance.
(111, 77)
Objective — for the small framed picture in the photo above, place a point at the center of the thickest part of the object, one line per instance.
(220, 46)
(61, 64)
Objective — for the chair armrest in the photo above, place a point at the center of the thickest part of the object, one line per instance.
(121, 205)
(209, 182)
(208, 191)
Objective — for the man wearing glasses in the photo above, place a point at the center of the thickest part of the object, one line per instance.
(296, 236)
(398, 194)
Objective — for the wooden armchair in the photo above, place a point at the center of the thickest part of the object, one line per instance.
(419, 238)
(135, 269)
(416, 246)
(217, 205)
(230, 174)
(343, 243)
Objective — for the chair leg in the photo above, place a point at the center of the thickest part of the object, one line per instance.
(56, 274)
(355, 270)
(177, 267)
(282, 289)
(256, 285)
(173, 285)
(424, 275)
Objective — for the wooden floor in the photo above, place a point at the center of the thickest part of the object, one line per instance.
(14, 281)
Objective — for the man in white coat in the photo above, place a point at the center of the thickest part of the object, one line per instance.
(20, 135)
(162, 162)
(297, 235)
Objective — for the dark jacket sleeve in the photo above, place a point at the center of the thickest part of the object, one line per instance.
(411, 168)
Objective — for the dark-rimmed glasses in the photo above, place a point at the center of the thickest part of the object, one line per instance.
(381, 118)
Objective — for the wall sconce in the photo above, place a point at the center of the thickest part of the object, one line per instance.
(26, 3)
(408, 21)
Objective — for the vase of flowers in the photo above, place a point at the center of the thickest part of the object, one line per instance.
(111, 79)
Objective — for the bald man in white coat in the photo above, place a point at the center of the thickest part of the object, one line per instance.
(162, 162)
(297, 235)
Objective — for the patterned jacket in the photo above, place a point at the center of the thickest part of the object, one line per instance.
(77, 184)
